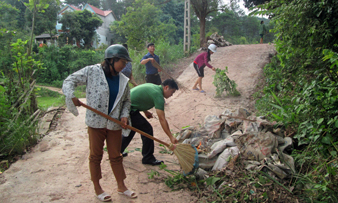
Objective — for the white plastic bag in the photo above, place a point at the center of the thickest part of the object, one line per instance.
(224, 158)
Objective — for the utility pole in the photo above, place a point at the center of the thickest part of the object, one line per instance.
(186, 44)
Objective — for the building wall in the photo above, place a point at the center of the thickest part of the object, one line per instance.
(103, 31)
(59, 25)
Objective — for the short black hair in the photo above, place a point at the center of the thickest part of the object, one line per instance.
(150, 44)
(171, 83)
(262, 22)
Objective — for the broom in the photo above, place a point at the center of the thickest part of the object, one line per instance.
(186, 154)
(163, 71)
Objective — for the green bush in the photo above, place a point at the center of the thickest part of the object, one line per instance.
(58, 62)
(301, 90)
(17, 132)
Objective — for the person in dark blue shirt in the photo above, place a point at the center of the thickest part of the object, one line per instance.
(128, 70)
(152, 75)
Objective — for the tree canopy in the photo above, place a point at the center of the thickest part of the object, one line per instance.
(80, 25)
(142, 23)
(45, 22)
(202, 9)
(96, 3)
(6, 15)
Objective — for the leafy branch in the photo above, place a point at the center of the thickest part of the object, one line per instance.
(223, 83)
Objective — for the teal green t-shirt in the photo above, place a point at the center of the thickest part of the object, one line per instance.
(146, 96)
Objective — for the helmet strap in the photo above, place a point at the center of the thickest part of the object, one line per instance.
(112, 65)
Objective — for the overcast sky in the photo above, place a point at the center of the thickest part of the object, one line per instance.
(241, 5)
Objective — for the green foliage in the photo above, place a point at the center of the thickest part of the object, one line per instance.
(61, 62)
(195, 38)
(6, 15)
(45, 21)
(174, 9)
(202, 9)
(164, 150)
(175, 180)
(142, 24)
(18, 113)
(47, 98)
(84, 2)
(223, 83)
(168, 54)
(81, 25)
(239, 29)
(318, 176)
(301, 88)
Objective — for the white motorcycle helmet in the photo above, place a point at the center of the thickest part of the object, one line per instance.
(212, 47)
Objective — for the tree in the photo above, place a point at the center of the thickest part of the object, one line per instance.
(6, 15)
(202, 9)
(96, 3)
(252, 3)
(118, 7)
(142, 23)
(45, 22)
(174, 9)
(35, 6)
(81, 25)
(20, 18)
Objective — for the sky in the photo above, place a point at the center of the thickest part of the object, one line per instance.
(241, 5)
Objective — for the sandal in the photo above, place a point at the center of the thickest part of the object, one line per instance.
(104, 197)
(202, 91)
(128, 193)
(195, 88)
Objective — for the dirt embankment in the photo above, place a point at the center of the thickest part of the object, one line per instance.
(57, 168)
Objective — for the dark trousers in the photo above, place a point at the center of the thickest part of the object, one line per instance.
(141, 123)
(154, 78)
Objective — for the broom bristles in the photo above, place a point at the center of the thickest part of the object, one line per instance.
(185, 154)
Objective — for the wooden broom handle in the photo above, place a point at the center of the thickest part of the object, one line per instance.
(237, 117)
(159, 67)
(122, 124)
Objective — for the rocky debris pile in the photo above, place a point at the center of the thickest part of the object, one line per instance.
(236, 135)
(218, 40)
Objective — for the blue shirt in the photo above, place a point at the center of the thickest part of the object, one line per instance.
(150, 69)
(127, 70)
(113, 83)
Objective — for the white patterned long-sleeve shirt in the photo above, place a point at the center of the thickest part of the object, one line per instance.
(97, 94)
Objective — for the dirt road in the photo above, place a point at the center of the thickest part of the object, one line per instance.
(57, 168)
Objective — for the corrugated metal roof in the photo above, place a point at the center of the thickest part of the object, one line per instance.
(44, 36)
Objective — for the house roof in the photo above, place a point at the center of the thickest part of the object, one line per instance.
(74, 7)
(71, 6)
(43, 36)
(101, 12)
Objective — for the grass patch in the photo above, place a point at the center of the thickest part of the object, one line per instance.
(80, 91)
(47, 98)
(45, 102)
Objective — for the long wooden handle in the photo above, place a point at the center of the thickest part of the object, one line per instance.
(160, 67)
(122, 124)
(237, 117)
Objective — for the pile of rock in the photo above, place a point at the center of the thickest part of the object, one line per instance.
(218, 40)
